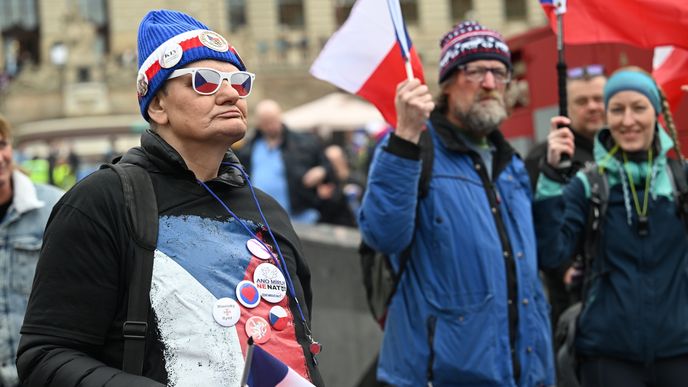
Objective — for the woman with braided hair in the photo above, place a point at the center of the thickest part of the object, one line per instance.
(633, 327)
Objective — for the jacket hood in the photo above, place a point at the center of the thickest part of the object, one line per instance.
(156, 155)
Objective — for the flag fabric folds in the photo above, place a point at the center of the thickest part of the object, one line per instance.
(642, 23)
(670, 70)
(364, 57)
(268, 371)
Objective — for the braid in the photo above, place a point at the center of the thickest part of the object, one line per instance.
(671, 127)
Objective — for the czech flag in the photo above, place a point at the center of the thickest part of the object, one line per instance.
(268, 371)
(367, 55)
(670, 70)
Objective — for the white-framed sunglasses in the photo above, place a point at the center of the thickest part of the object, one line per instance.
(207, 81)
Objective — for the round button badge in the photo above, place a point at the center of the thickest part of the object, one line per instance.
(278, 317)
(171, 55)
(259, 329)
(270, 282)
(247, 293)
(226, 312)
(257, 249)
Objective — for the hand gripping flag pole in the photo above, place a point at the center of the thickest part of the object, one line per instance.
(560, 10)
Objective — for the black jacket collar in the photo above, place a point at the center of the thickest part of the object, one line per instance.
(156, 155)
(448, 134)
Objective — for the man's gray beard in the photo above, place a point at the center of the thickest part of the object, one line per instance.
(482, 120)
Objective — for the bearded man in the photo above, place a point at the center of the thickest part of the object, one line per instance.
(469, 309)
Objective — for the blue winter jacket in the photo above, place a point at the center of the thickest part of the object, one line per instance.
(473, 261)
(637, 306)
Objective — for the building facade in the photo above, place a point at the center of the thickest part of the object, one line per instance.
(68, 64)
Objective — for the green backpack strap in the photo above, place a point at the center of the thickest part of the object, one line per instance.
(142, 221)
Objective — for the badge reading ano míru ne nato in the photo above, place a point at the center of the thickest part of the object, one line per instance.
(270, 282)
(226, 312)
(257, 249)
(258, 328)
(213, 41)
(247, 293)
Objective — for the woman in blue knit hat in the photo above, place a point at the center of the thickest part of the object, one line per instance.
(228, 270)
(625, 213)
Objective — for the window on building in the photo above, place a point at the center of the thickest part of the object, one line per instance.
(342, 10)
(460, 9)
(515, 10)
(291, 13)
(237, 14)
(20, 34)
(409, 8)
(95, 11)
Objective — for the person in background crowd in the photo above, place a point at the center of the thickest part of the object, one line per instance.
(633, 328)
(469, 308)
(24, 210)
(286, 165)
(584, 88)
(340, 198)
(215, 245)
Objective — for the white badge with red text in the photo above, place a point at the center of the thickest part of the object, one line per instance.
(270, 282)
(226, 312)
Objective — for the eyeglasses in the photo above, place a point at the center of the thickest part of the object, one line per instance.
(588, 71)
(477, 74)
(207, 81)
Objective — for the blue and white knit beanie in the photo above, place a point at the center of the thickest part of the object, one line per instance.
(638, 81)
(470, 41)
(169, 40)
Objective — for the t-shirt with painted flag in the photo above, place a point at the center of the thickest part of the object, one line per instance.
(80, 291)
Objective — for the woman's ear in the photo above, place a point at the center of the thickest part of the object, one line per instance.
(156, 110)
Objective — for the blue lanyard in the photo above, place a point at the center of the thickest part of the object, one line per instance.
(281, 264)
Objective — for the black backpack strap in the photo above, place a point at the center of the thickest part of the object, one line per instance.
(678, 172)
(427, 156)
(599, 198)
(142, 219)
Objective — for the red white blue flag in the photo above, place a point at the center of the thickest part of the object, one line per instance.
(268, 371)
(366, 55)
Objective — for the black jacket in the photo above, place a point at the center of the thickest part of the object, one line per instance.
(300, 152)
(538, 155)
(72, 332)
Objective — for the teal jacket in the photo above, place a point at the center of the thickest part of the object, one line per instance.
(637, 306)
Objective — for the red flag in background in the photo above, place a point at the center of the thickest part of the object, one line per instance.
(364, 56)
(670, 70)
(643, 23)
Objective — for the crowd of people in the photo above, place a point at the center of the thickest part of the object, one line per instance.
(477, 225)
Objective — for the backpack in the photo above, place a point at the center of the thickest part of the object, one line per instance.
(567, 362)
(380, 280)
(142, 222)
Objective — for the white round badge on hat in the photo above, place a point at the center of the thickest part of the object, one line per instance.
(257, 249)
(213, 41)
(270, 282)
(141, 84)
(259, 329)
(171, 55)
(226, 312)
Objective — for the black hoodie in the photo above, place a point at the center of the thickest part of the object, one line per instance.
(72, 332)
